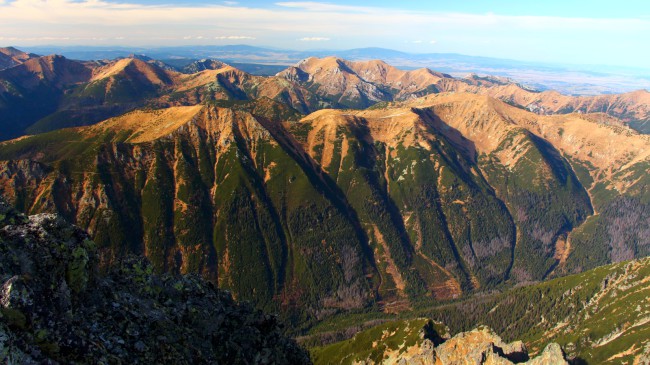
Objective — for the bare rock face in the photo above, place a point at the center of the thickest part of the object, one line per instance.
(479, 347)
(56, 307)
(426, 355)
(474, 346)
(552, 354)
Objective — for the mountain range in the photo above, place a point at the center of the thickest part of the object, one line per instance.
(441, 187)
(41, 94)
(333, 186)
(568, 79)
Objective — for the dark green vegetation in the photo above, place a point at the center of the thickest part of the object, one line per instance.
(597, 317)
(313, 217)
(57, 307)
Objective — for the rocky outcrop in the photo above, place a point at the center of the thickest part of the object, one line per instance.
(56, 307)
(483, 346)
(425, 342)
(478, 347)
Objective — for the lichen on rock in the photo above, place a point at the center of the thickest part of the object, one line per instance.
(56, 307)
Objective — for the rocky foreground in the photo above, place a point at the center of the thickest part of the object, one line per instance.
(478, 347)
(55, 307)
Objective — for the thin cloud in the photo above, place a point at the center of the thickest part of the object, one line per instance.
(314, 39)
(531, 37)
(234, 37)
(324, 7)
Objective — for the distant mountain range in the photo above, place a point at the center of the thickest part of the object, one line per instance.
(10, 57)
(567, 79)
(39, 94)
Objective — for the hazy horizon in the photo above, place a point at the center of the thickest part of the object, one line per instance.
(579, 33)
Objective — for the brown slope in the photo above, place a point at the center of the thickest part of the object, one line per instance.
(628, 107)
(10, 57)
(364, 83)
(104, 90)
(406, 82)
(360, 83)
(145, 126)
(595, 139)
(54, 70)
(147, 72)
(611, 162)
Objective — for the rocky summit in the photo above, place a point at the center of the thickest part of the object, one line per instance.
(57, 307)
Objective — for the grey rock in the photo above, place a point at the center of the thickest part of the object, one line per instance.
(56, 307)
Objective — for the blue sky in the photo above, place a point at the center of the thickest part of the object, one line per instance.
(569, 32)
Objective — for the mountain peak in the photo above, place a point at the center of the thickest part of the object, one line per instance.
(53, 68)
(16, 53)
(204, 64)
(145, 125)
(133, 67)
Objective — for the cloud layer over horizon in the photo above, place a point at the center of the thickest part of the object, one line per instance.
(301, 25)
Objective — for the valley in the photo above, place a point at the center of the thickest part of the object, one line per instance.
(336, 189)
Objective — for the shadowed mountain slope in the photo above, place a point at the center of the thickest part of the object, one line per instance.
(430, 198)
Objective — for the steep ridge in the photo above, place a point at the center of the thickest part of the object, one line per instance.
(360, 84)
(432, 198)
(528, 185)
(609, 160)
(205, 199)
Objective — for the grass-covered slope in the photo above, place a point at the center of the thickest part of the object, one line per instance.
(392, 338)
(339, 210)
(601, 316)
